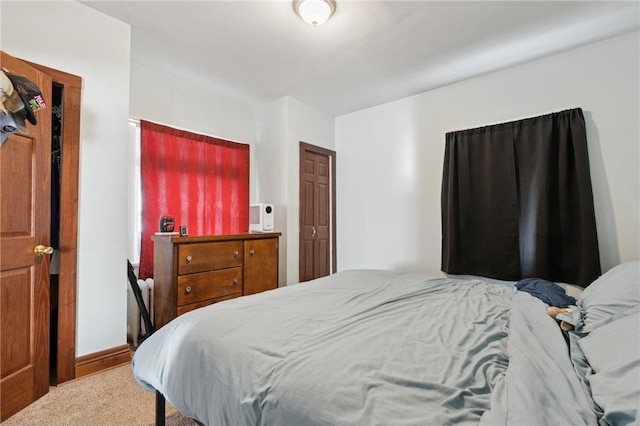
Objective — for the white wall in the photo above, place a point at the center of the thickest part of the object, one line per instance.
(272, 170)
(71, 37)
(184, 104)
(281, 126)
(167, 99)
(390, 156)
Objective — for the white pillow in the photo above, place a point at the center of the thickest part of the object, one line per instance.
(614, 295)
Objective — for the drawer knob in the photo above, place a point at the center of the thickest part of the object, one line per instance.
(188, 289)
(236, 254)
(251, 252)
(189, 258)
(235, 280)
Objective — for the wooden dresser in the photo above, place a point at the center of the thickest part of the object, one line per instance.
(192, 272)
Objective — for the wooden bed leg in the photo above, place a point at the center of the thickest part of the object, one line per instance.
(159, 409)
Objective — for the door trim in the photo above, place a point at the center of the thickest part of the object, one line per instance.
(71, 101)
(304, 148)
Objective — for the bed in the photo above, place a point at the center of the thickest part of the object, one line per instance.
(372, 347)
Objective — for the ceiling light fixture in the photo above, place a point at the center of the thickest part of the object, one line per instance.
(314, 12)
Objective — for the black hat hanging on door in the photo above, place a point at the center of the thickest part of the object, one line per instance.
(20, 98)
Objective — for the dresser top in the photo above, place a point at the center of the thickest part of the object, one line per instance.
(211, 238)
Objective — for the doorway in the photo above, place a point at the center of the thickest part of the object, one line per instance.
(317, 257)
(65, 106)
(54, 267)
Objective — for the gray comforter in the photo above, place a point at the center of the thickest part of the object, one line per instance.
(368, 348)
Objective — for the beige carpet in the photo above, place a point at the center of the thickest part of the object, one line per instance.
(111, 397)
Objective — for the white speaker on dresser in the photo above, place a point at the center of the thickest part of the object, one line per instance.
(261, 218)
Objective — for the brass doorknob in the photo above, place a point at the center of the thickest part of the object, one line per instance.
(41, 250)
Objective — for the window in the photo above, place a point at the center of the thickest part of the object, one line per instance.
(202, 181)
(135, 195)
(517, 201)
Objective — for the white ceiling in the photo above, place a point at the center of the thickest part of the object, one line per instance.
(368, 53)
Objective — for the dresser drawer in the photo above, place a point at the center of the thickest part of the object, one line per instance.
(199, 287)
(209, 256)
(186, 308)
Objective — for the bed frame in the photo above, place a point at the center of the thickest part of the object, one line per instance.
(160, 412)
(150, 329)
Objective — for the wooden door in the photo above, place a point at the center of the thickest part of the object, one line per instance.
(260, 265)
(24, 276)
(317, 212)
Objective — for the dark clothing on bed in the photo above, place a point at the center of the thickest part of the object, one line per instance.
(550, 293)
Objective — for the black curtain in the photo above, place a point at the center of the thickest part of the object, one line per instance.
(517, 201)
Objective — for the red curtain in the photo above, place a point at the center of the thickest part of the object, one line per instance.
(202, 181)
